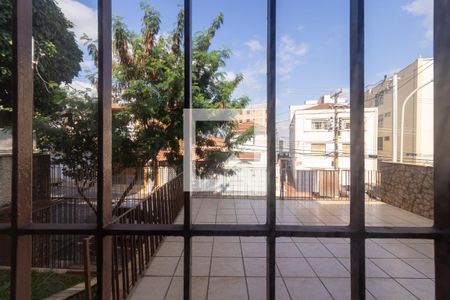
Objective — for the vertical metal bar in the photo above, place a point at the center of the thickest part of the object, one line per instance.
(104, 197)
(187, 104)
(87, 271)
(357, 247)
(22, 149)
(271, 146)
(442, 145)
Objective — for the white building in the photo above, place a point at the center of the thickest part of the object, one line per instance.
(313, 137)
(414, 82)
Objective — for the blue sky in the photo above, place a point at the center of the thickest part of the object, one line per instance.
(312, 40)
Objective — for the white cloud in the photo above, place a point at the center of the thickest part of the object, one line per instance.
(83, 17)
(254, 77)
(423, 9)
(87, 65)
(290, 54)
(254, 45)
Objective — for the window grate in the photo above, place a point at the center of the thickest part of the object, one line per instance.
(21, 228)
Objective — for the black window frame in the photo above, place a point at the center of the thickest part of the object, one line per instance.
(21, 228)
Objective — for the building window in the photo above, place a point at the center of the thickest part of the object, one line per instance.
(318, 149)
(380, 143)
(387, 138)
(346, 149)
(379, 99)
(380, 121)
(346, 124)
(320, 124)
(387, 115)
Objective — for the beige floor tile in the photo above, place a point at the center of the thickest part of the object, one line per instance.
(421, 288)
(151, 288)
(397, 268)
(227, 266)
(402, 251)
(228, 288)
(387, 289)
(202, 248)
(170, 249)
(306, 289)
(247, 219)
(425, 249)
(287, 250)
(339, 250)
(328, 267)
(226, 239)
(253, 250)
(376, 251)
(423, 265)
(294, 267)
(200, 266)
(227, 250)
(371, 269)
(339, 288)
(253, 239)
(162, 266)
(226, 219)
(199, 288)
(255, 266)
(257, 289)
(314, 250)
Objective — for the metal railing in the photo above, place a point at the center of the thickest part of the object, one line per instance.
(132, 253)
(250, 183)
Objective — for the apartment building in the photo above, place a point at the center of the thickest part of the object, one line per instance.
(413, 88)
(320, 137)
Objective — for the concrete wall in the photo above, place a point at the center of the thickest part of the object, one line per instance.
(407, 186)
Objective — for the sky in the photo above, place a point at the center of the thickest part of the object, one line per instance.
(312, 41)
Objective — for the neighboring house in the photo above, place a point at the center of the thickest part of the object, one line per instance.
(313, 137)
(415, 81)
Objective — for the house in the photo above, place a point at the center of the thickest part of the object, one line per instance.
(320, 139)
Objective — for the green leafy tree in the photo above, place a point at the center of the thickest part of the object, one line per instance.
(56, 55)
(148, 83)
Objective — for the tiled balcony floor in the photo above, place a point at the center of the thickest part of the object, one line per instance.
(307, 268)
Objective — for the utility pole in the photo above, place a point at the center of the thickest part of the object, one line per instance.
(394, 116)
(336, 129)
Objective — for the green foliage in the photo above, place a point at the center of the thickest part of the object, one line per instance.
(43, 284)
(148, 83)
(69, 133)
(56, 54)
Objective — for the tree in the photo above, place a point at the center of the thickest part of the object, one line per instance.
(56, 55)
(148, 82)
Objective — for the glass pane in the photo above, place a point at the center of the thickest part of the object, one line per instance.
(6, 104)
(313, 268)
(58, 266)
(399, 105)
(229, 72)
(146, 265)
(313, 169)
(148, 98)
(5, 270)
(228, 267)
(400, 268)
(65, 112)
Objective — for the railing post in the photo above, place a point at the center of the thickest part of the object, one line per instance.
(87, 271)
